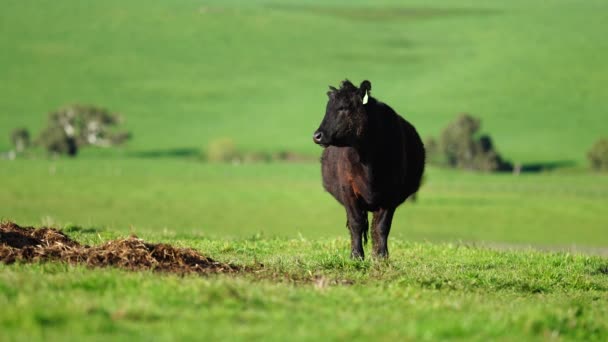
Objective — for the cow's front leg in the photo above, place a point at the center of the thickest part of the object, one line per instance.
(358, 227)
(381, 227)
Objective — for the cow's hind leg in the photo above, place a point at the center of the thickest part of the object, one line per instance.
(358, 227)
(381, 227)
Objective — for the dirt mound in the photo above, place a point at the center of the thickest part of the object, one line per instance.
(27, 244)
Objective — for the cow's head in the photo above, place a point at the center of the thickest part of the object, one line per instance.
(345, 120)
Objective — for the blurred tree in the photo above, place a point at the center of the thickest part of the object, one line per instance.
(223, 150)
(20, 137)
(73, 127)
(433, 152)
(57, 141)
(461, 148)
(598, 155)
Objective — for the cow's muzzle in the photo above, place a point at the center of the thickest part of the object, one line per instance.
(318, 138)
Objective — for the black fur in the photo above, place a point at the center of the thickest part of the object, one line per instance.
(372, 162)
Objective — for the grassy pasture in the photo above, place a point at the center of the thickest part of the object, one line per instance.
(189, 198)
(187, 72)
(309, 289)
(277, 215)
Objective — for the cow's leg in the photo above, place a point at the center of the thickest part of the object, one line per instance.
(358, 226)
(381, 226)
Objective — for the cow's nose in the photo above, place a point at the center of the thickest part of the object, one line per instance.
(317, 137)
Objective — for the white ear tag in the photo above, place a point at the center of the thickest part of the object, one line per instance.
(365, 98)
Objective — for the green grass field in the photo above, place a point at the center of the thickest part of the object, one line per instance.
(310, 290)
(190, 198)
(465, 260)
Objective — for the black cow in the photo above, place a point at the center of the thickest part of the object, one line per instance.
(372, 162)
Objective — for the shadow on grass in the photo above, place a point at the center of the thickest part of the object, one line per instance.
(515, 168)
(185, 152)
(78, 229)
(546, 166)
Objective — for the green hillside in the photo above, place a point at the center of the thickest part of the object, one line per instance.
(186, 72)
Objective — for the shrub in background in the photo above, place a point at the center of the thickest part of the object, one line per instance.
(73, 127)
(20, 138)
(225, 150)
(56, 141)
(433, 152)
(222, 150)
(257, 157)
(460, 146)
(598, 155)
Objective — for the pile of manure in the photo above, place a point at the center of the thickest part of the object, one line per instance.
(27, 244)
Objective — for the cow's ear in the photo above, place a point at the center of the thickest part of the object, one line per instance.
(364, 89)
(346, 84)
(365, 86)
(332, 91)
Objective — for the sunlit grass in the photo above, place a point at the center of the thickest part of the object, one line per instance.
(311, 289)
(187, 197)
